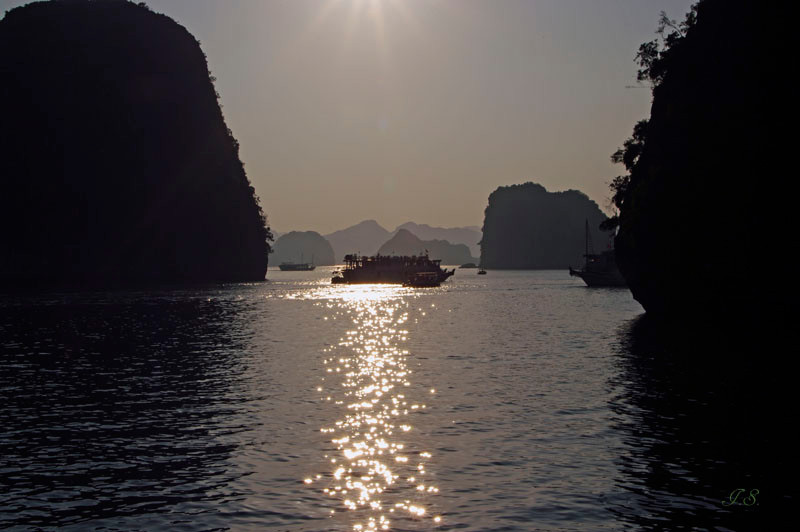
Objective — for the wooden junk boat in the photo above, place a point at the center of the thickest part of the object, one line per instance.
(599, 270)
(410, 271)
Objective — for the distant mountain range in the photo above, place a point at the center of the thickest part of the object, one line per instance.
(363, 238)
(368, 237)
(469, 236)
(406, 243)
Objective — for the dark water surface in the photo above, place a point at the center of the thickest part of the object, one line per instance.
(511, 401)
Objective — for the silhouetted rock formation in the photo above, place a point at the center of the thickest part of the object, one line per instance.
(115, 161)
(364, 238)
(405, 243)
(527, 227)
(305, 246)
(471, 236)
(706, 213)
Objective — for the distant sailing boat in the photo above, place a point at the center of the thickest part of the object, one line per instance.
(599, 270)
(297, 267)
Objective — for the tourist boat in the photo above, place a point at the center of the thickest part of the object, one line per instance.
(481, 272)
(599, 270)
(297, 266)
(389, 269)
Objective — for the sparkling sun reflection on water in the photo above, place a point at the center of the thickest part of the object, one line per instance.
(373, 471)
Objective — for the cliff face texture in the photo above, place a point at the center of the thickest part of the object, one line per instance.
(115, 161)
(706, 218)
(527, 227)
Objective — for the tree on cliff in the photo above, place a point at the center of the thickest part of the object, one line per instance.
(115, 160)
(653, 58)
(705, 208)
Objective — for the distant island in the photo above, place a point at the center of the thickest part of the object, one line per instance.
(405, 243)
(303, 246)
(115, 161)
(527, 227)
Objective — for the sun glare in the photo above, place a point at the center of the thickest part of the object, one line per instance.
(358, 14)
(376, 468)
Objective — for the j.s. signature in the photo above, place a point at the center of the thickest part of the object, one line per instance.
(736, 497)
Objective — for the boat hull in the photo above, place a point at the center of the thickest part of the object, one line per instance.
(425, 279)
(386, 277)
(600, 279)
(390, 270)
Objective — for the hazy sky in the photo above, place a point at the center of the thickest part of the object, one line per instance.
(401, 110)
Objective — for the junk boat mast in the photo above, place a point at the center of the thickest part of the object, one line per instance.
(599, 269)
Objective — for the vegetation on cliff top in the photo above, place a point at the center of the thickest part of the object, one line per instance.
(115, 160)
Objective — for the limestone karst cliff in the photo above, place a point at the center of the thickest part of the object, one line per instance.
(706, 209)
(527, 227)
(115, 161)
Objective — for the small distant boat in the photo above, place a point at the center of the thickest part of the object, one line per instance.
(481, 272)
(599, 270)
(297, 266)
(469, 265)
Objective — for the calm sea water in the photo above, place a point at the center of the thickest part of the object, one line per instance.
(511, 401)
